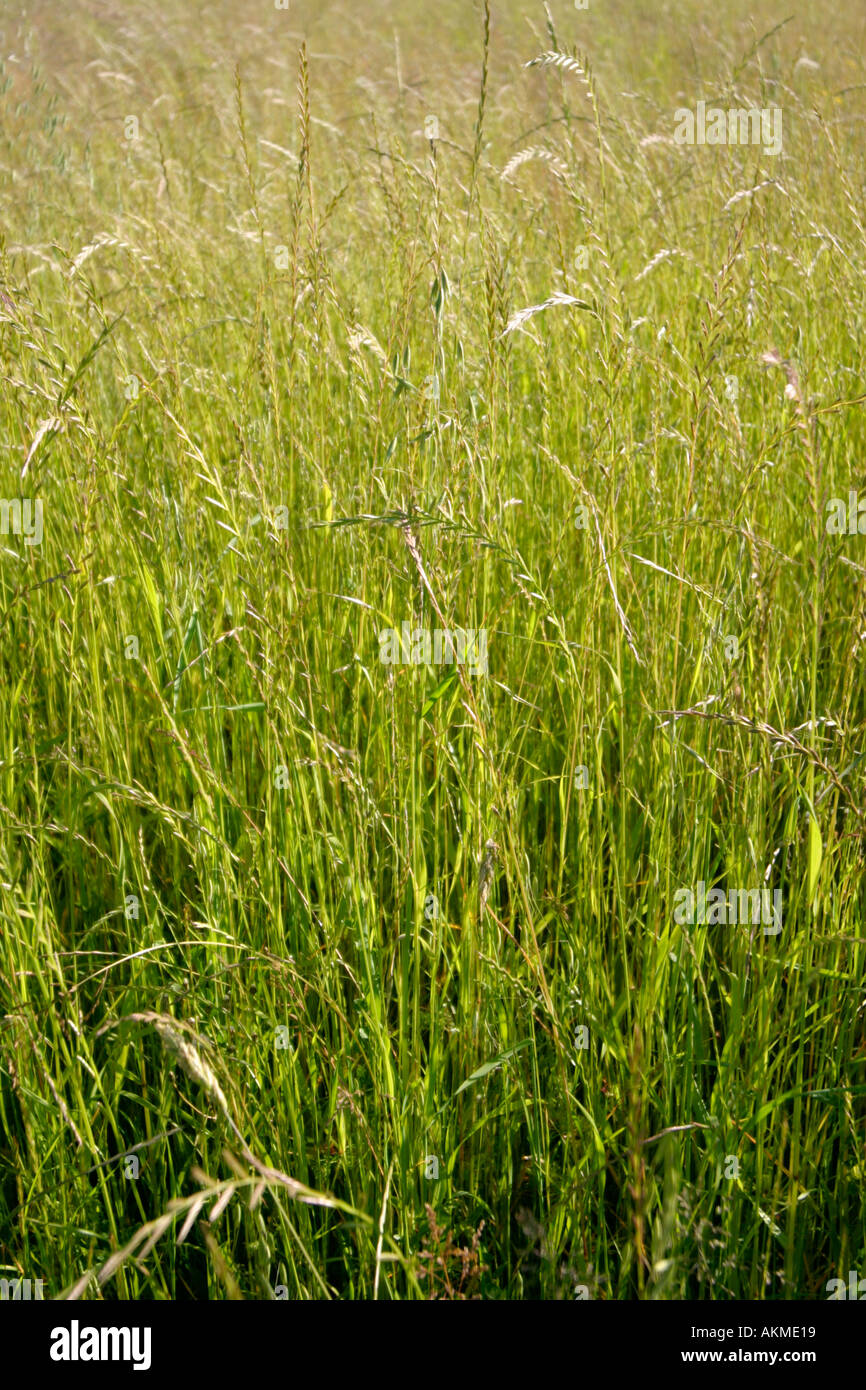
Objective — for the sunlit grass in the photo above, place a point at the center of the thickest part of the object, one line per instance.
(269, 367)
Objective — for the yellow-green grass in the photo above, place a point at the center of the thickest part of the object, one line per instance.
(263, 368)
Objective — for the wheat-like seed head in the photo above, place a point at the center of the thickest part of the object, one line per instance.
(485, 873)
(179, 1041)
(559, 167)
(178, 1044)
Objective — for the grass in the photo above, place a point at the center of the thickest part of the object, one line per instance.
(277, 1019)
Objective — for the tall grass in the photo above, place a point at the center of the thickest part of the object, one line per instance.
(269, 365)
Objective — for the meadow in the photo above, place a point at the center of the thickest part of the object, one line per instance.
(329, 976)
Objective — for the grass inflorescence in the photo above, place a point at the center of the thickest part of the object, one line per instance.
(328, 977)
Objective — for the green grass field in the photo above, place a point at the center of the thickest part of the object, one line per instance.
(328, 977)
